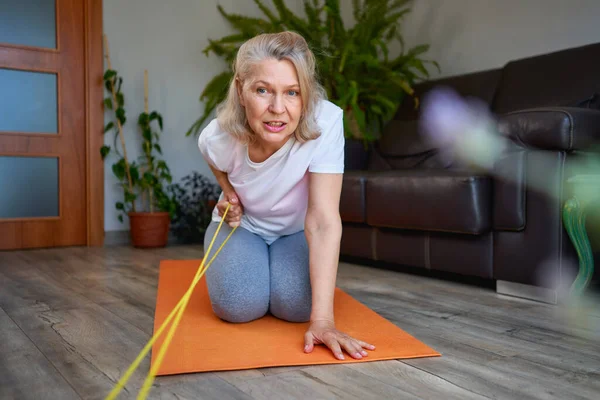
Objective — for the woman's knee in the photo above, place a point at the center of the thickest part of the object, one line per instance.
(238, 279)
(290, 279)
(240, 309)
(290, 306)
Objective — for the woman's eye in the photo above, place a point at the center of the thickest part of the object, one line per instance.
(261, 90)
(293, 93)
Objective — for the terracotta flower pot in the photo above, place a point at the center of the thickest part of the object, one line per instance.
(149, 229)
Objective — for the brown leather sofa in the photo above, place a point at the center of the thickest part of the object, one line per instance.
(412, 205)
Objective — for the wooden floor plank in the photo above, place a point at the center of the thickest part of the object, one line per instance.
(320, 382)
(25, 373)
(415, 381)
(196, 386)
(81, 315)
(86, 343)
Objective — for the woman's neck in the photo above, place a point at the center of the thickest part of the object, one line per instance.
(259, 151)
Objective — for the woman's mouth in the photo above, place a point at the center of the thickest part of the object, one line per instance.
(274, 126)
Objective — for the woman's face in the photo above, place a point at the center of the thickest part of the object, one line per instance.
(272, 101)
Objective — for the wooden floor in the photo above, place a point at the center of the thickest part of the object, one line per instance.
(72, 320)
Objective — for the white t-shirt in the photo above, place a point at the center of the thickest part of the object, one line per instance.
(274, 193)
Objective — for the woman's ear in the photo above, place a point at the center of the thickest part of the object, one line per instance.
(240, 92)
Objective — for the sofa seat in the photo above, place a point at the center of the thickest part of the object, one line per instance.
(428, 200)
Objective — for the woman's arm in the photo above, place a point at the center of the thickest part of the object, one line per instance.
(323, 230)
(234, 215)
(215, 146)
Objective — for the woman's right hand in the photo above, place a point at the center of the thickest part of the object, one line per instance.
(234, 215)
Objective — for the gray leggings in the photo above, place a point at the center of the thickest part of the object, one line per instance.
(249, 278)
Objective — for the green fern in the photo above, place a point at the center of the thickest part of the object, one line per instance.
(354, 63)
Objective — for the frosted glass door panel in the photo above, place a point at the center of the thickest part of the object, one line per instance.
(29, 101)
(28, 187)
(28, 23)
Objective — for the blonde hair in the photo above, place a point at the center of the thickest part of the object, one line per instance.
(279, 46)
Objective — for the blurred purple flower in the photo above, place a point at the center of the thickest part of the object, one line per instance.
(463, 127)
(445, 115)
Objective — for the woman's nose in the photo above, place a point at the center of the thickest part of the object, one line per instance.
(276, 105)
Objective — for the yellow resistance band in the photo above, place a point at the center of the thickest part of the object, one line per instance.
(179, 309)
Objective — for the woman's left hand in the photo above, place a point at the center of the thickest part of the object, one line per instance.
(324, 332)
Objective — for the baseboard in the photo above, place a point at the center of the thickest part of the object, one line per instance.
(529, 292)
(123, 238)
(116, 238)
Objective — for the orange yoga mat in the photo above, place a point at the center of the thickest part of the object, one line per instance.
(203, 342)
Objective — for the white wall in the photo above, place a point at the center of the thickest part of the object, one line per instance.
(473, 35)
(167, 38)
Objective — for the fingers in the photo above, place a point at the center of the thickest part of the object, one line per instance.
(309, 343)
(234, 211)
(355, 348)
(234, 214)
(366, 345)
(336, 341)
(332, 342)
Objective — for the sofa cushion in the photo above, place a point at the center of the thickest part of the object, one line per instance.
(554, 79)
(481, 85)
(352, 204)
(403, 147)
(430, 200)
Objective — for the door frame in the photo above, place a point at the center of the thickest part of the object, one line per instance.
(94, 120)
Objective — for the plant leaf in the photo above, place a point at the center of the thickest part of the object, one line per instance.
(109, 126)
(147, 135)
(214, 93)
(121, 115)
(143, 119)
(120, 99)
(109, 74)
(104, 151)
(119, 169)
(130, 197)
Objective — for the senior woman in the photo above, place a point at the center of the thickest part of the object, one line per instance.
(276, 149)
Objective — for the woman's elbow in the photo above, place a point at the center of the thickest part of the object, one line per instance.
(329, 225)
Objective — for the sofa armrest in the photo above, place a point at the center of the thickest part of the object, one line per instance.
(552, 128)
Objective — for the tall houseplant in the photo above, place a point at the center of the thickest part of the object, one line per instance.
(151, 227)
(354, 63)
(144, 181)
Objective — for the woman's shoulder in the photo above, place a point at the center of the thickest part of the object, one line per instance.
(213, 132)
(327, 113)
(329, 117)
(218, 147)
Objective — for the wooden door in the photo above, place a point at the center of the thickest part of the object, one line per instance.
(50, 123)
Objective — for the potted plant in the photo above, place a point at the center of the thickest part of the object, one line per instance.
(354, 63)
(150, 228)
(144, 181)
